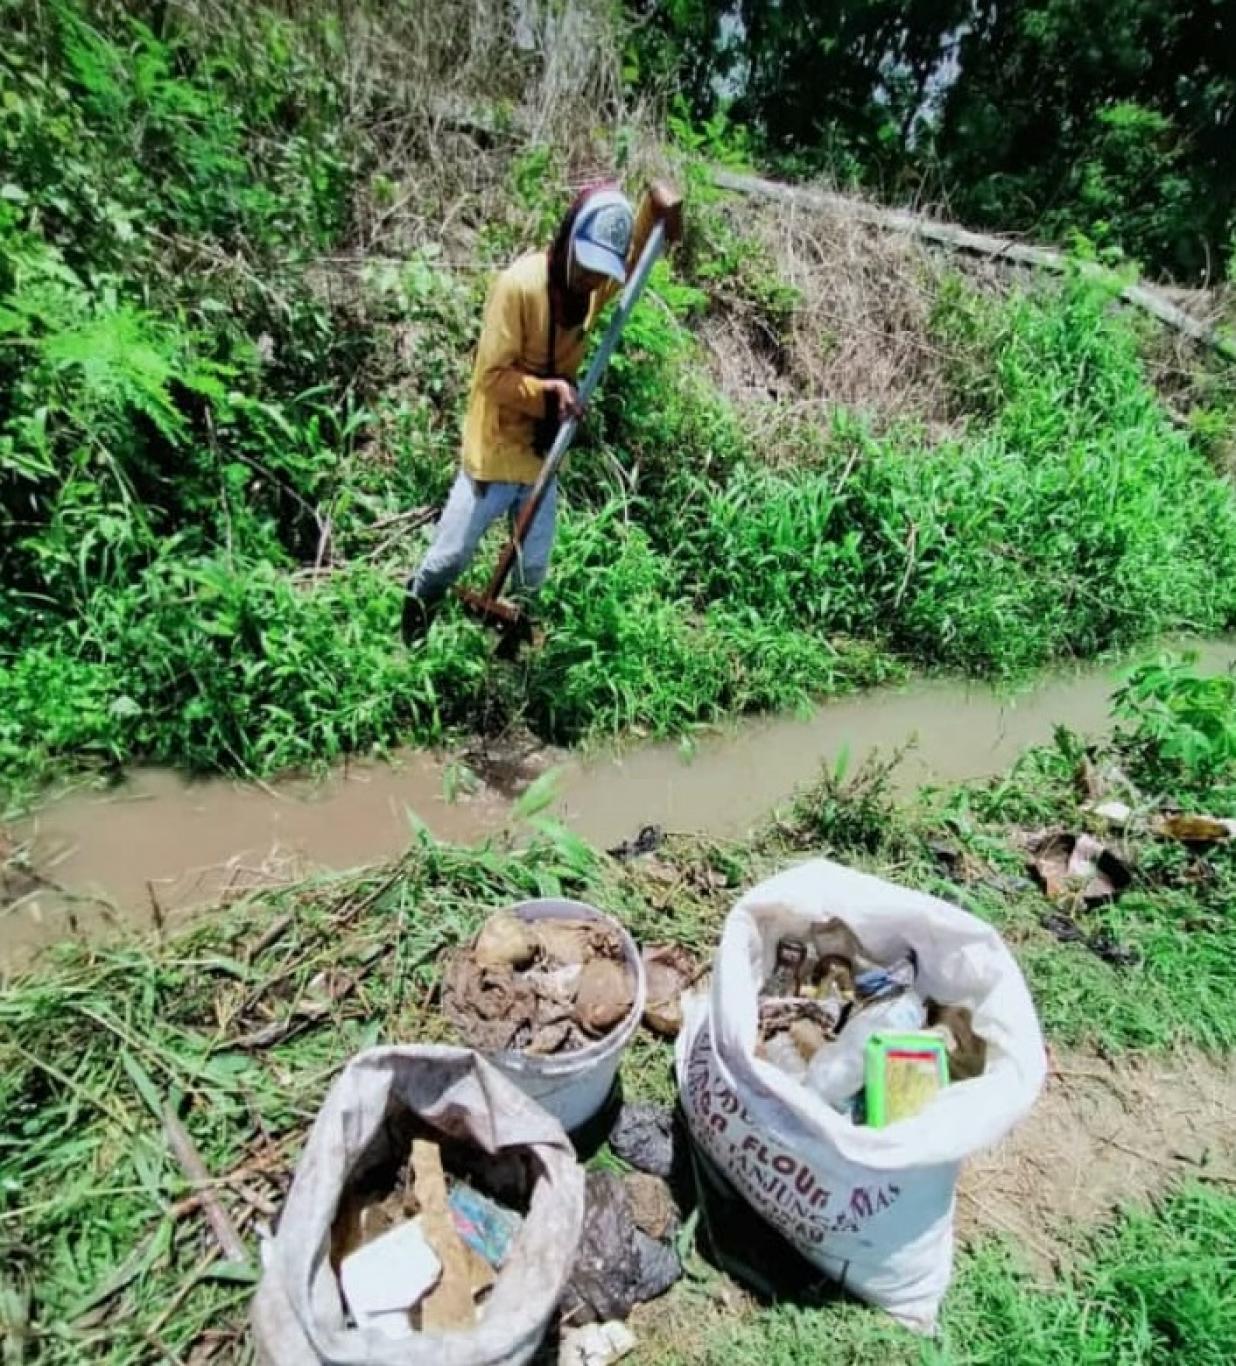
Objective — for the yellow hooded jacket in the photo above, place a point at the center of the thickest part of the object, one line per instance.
(507, 397)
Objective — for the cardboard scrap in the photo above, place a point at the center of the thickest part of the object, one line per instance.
(450, 1306)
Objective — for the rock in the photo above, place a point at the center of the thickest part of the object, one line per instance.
(566, 942)
(652, 1205)
(669, 970)
(595, 1344)
(505, 941)
(550, 1038)
(643, 1135)
(606, 994)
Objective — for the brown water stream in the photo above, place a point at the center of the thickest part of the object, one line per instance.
(158, 846)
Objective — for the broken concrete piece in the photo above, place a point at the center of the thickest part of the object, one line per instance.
(669, 970)
(595, 1344)
(606, 994)
(449, 1307)
(505, 941)
(652, 1205)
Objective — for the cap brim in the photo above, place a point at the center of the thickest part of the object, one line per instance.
(593, 256)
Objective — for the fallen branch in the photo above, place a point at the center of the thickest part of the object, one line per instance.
(186, 1153)
(270, 935)
(1145, 297)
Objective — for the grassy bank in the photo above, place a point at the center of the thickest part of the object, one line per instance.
(243, 261)
(241, 1025)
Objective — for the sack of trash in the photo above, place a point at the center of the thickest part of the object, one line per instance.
(859, 1041)
(433, 1218)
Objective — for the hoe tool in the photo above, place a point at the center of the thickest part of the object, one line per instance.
(490, 607)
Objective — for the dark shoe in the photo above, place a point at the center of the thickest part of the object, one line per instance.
(417, 618)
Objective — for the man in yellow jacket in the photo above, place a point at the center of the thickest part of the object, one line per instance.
(532, 342)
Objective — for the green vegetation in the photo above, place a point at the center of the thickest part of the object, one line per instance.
(223, 406)
(242, 259)
(1049, 116)
(1154, 1289)
(241, 1024)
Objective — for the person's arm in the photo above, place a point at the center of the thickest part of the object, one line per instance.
(500, 351)
(659, 202)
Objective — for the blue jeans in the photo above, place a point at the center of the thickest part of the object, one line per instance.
(467, 516)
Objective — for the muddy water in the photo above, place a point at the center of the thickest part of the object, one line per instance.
(157, 847)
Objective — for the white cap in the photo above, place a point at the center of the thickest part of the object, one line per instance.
(601, 234)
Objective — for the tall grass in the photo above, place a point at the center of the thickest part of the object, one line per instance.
(216, 410)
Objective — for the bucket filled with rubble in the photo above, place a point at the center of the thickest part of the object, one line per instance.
(551, 992)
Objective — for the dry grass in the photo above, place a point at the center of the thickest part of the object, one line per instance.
(860, 335)
(549, 74)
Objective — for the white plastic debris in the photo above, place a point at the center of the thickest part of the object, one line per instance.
(1117, 814)
(387, 1277)
(595, 1344)
(837, 1071)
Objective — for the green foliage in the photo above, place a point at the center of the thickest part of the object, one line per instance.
(93, 1044)
(1051, 115)
(211, 439)
(847, 815)
(1181, 726)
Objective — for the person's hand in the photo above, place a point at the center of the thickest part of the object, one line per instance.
(567, 397)
(667, 206)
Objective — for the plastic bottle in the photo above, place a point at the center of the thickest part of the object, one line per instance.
(782, 1052)
(837, 1071)
(786, 976)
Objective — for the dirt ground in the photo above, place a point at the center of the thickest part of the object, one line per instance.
(1103, 1134)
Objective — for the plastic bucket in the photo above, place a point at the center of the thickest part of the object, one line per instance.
(573, 1086)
